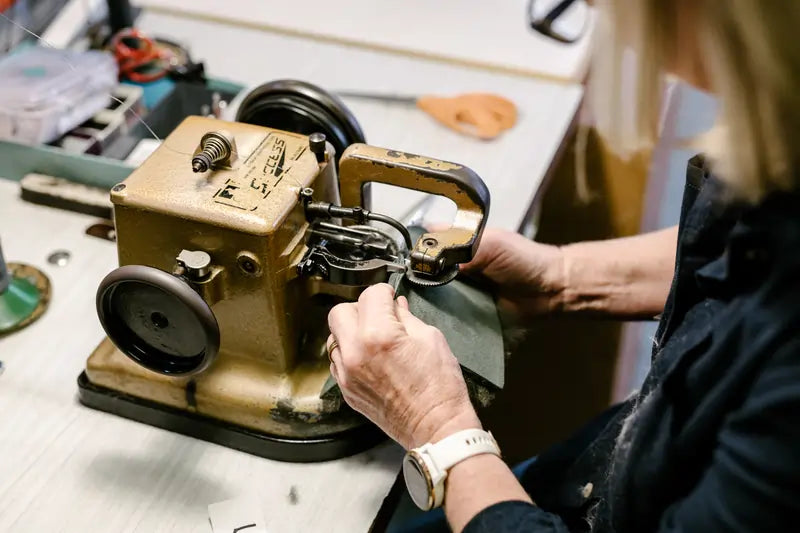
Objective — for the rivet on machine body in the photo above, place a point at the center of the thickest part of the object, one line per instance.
(316, 143)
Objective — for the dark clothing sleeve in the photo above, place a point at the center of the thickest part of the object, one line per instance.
(512, 517)
(751, 484)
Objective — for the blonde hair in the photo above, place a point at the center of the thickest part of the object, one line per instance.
(750, 52)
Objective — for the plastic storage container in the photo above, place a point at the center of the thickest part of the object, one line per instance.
(46, 92)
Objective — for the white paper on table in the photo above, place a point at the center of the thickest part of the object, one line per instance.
(239, 515)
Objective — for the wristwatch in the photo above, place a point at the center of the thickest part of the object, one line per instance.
(425, 468)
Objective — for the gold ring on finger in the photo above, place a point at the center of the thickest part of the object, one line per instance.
(331, 347)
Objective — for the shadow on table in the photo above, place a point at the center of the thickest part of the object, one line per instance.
(163, 464)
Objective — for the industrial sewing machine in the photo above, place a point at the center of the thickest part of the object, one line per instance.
(234, 241)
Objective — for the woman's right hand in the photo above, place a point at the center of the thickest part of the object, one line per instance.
(528, 276)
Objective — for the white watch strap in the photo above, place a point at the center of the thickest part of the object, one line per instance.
(459, 446)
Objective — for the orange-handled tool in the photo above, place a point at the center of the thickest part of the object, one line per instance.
(481, 115)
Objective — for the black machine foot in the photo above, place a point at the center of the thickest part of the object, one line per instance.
(279, 448)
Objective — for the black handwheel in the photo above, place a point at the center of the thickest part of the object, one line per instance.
(158, 320)
(303, 108)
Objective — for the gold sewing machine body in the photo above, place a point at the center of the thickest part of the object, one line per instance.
(230, 265)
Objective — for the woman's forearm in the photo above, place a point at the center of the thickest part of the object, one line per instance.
(477, 483)
(625, 278)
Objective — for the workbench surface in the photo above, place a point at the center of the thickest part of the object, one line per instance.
(67, 468)
(492, 35)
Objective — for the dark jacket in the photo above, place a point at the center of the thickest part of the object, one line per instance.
(711, 442)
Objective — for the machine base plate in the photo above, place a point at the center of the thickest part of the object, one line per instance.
(279, 448)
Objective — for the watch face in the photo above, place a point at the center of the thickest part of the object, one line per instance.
(417, 482)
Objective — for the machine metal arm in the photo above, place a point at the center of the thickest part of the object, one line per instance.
(435, 254)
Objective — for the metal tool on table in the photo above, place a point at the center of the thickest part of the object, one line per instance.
(235, 241)
(24, 295)
(480, 115)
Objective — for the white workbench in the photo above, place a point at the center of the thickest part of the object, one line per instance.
(67, 468)
(491, 35)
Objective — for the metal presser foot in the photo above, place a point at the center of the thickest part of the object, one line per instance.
(24, 295)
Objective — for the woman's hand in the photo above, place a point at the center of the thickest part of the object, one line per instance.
(626, 278)
(528, 276)
(398, 371)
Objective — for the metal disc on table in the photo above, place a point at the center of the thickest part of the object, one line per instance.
(300, 107)
(25, 299)
(158, 320)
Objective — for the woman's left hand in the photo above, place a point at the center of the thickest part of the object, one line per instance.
(398, 371)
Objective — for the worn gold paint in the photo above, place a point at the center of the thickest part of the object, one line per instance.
(239, 390)
(165, 208)
(272, 363)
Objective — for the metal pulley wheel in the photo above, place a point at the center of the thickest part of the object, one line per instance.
(300, 107)
(158, 320)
